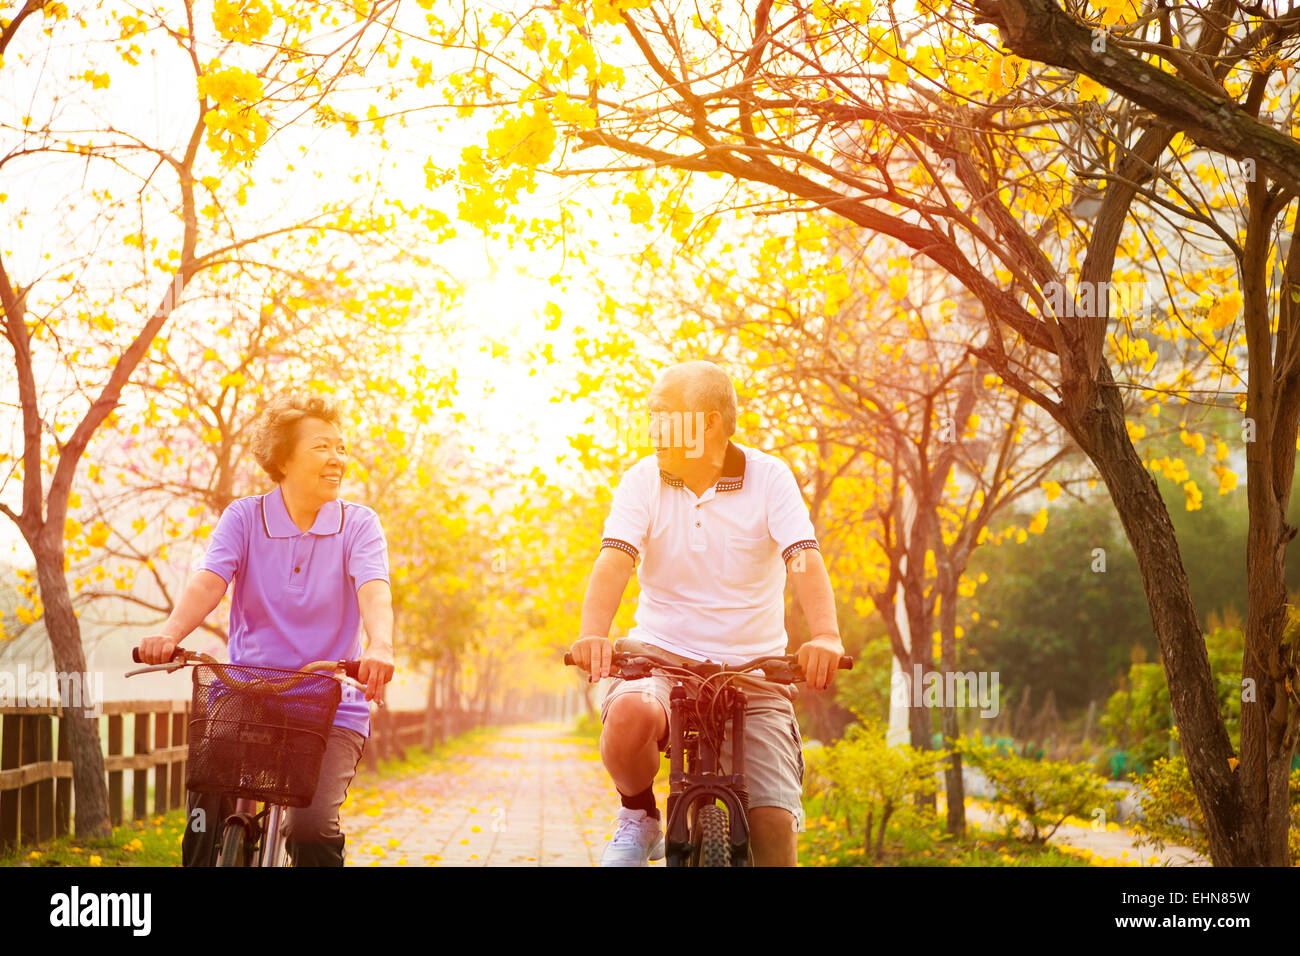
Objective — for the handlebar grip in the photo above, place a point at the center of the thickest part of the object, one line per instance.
(351, 668)
(568, 659)
(846, 663)
(177, 655)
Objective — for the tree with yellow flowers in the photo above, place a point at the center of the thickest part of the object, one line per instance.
(134, 219)
(1048, 203)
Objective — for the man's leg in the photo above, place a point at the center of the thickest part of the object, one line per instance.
(773, 836)
(312, 833)
(773, 775)
(635, 729)
(634, 725)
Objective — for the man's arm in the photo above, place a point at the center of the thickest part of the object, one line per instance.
(609, 576)
(820, 657)
(375, 598)
(203, 592)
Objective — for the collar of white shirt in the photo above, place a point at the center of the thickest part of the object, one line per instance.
(731, 479)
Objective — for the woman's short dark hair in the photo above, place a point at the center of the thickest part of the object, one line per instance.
(277, 428)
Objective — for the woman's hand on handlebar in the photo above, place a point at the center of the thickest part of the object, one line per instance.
(819, 659)
(158, 648)
(594, 655)
(375, 671)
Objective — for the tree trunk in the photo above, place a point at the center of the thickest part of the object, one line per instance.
(485, 694)
(1268, 722)
(89, 783)
(921, 661)
(956, 792)
(1101, 432)
(432, 725)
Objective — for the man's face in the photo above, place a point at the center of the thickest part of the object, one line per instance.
(676, 432)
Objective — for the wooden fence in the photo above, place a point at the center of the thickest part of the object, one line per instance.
(36, 772)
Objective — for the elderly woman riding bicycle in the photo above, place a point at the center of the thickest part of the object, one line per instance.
(309, 569)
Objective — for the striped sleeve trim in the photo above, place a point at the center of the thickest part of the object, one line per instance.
(798, 546)
(621, 545)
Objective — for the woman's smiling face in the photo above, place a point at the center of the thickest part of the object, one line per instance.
(318, 461)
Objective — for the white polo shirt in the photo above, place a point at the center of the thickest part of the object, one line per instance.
(712, 569)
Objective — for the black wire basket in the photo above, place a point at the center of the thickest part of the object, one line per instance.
(259, 732)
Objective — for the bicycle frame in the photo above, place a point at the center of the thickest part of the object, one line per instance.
(264, 827)
(686, 790)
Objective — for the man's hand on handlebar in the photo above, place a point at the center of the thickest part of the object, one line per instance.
(593, 654)
(819, 659)
(158, 648)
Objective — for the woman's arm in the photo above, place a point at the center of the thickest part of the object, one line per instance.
(376, 600)
(201, 596)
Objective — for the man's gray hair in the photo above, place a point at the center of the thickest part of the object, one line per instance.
(708, 389)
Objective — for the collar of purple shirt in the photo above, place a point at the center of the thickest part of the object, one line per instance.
(278, 524)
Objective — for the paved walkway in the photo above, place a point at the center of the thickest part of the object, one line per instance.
(536, 795)
(529, 796)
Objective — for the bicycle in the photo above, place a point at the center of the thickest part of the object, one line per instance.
(706, 706)
(258, 733)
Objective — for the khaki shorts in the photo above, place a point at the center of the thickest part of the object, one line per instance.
(773, 747)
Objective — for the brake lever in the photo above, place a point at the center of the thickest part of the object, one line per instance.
(169, 668)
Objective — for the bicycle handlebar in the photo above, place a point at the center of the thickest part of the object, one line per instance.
(845, 664)
(182, 656)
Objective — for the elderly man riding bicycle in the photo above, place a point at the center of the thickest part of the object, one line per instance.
(716, 527)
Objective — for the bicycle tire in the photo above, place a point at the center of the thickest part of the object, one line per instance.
(234, 848)
(715, 836)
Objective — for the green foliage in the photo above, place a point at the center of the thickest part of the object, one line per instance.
(870, 784)
(1171, 813)
(865, 689)
(1049, 621)
(1043, 792)
(1139, 717)
(823, 843)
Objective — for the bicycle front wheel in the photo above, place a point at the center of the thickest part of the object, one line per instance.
(234, 846)
(715, 836)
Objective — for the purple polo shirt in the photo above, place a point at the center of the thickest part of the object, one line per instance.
(295, 595)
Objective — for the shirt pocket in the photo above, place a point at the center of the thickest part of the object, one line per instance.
(747, 562)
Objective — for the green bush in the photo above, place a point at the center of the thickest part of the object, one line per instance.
(1171, 814)
(1139, 718)
(871, 784)
(1043, 792)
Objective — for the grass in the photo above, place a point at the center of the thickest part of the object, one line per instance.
(588, 727)
(150, 841)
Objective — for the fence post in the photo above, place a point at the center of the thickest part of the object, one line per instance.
(176, 768)
(115, 776)
(140, 778)
(45, 789)
(27, 798)
(10, 745)
(63, 786)
(161, 741)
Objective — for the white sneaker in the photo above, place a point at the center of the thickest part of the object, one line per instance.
(637, 839)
